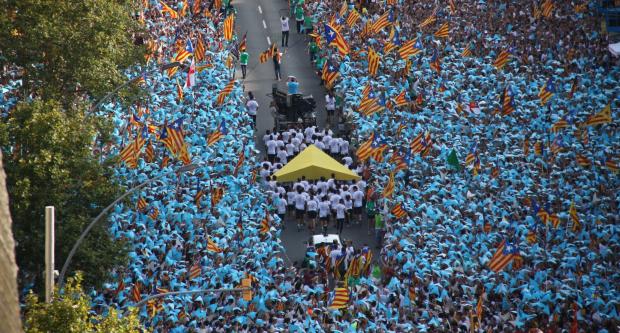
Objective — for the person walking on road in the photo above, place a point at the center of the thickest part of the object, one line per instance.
(285, 30)
(330, 105)
(243, 60)
(252, 106)
(299, 17)
(277, 60)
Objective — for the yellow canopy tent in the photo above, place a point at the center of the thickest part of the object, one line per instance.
(314, 164)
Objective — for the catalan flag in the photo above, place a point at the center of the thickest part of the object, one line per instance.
(435, 62)
(502, 59)
(264, 224)
(388, 190)
(546, 92)
(141, 204)
(582, 160)
(429, 20)
(365, 149)
(479, 309)
(398, 211)
(196, 7)
(538, 148)
(402, 100)
(264, 56)
(543, 215)
(195, 271)
(416, 145)
(212, 246)
(526, 147)
(367, 30)
(330, 73)
(611, 165)
(165, 138)
(471, 157)
(354, 16)
(393, 43)
(175, 131)
(378, 149)
(198, 198)
(341, 298)
(467, 51)
(574, 217)
(199, 52)
(557, 145)
(503, 256)
(343, 8)
(555, 220)
(179, 92)
(383, 21)
(225, 92)
(243, 44)
(240, 161)
(154, 213)
(166, 9)
(229, 25)
(373, 61)
(172, 70)
(560, 124)
(218, 134)
(332, 36)
(507, 102)
(371, 105)
(136, 295)
(410, 48)
(547, 8)
(452, 7)
(603, 117)
(443, 31)
(141, 80)
(186, 52)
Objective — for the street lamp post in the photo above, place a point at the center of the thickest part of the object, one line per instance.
(61, 277)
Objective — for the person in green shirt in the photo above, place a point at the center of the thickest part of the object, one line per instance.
(379, 229)
(308, 24)
(299, 17)
(313, 49)
(243, 60)
(370, 213)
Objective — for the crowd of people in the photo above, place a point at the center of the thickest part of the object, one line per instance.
(497, 169)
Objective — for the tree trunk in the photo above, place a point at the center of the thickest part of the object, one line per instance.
(9, 304)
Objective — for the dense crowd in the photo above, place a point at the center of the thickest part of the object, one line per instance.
(488, 173)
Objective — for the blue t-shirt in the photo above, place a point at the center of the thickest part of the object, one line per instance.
(293, 87)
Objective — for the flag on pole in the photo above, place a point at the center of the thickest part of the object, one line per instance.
(443, 31)
(212, 246)
(195, 271)
(199, 54)
(503, 256)
(186, 52)
(435, 63)
(502, 59)
(467, 51)
(179, 92)
(333, 36)
(136, 296)
(354, 16)
(166, 9)
(190, 81)
(330, 73)
(388, 190)
(219, 133)
(229, 25)
(429, 20)
(365, 149)
(373, 61)
(240, 161)
(196, 7)
(603, 117)
(383, 21)
(574, 217)
(225, 92)
(398, 211)
(546, 92)
(341, 298)
(410, 48)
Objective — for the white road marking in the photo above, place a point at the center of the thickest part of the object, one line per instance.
(260, 10)
(268, 40)
(264, 25)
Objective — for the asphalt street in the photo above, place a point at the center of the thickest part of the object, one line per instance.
(261, 20)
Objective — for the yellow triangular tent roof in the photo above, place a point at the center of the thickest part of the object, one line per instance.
(314, 164)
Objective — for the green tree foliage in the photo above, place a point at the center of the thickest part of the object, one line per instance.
(71, 312)
(48, 161)
(70, 48)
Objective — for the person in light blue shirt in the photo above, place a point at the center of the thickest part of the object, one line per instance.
(292, 85)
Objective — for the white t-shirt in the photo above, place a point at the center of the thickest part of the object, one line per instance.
(290, 149)
(281, 205)
(284, 22)
(347, 160)
(283, 156)
(252, 106)
(323, 208)
(340, 208)
(334, 146)
(330, 102)
(344, 147)
(358, 198)
(334, 199)
(271, 147)
(312, 205)
(290, 196)
(300, 201)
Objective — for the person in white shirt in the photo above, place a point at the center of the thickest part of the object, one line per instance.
(330, 105)
(285, 30)
(271, 145)
(358, 203)
(334, 147)
(281, 208)
(296, 142)
(312, 207)
(344, 147)
(267, 136)
(282, 155)
(334, 198)
(300, 207)
(347, 161)
(252, 106)
(348, 203)
(290, 149)
(340, 215)
(290, 199)
(320, 145)
(324, 213)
